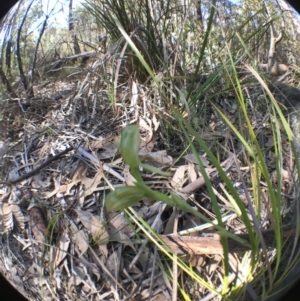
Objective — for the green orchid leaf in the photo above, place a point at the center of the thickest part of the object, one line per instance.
(130, 145)
(123, 197)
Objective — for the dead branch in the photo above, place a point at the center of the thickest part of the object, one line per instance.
(194, 245)
(83, 55)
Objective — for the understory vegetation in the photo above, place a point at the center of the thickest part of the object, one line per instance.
(149, 149)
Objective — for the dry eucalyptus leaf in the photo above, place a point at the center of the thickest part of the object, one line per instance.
(169, 229)
(213, 264)
(96, 144)
(73, 281)
(191, 158)
(192, 172)
(95, 270)
(92, 184)
(120, 223)
(146, 124)
(77, 175)
(62, 248)
(119, 236)
(94, 225)
(129, 178)
(109, 152)
(131, 268)
(56, 189)
(146, 147)
(113, 263)
(103, 250)
(79, 171)
(159, 157)
(110, 148)
(38, 224)
(80, 237)
(179, 178)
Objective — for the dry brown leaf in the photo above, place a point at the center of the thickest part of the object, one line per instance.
(213, 264)
(119, 236)
(192, 172)
(113, 263)
(146, 147)
(50, 194)
(77, 175)
(131, 268)
(80, 238)
(79, 172)
(91, 184)
(73, 281)
(153, 210)
(146, 124)
(103, 250)
(96, 144)
(191, 158)
(38, 224)
(120, 223)
(159, 157)
(110, 151)
(78, 278)
(170, 224)
(109, 146)
(179, 178)
(62, 248)
(129, 179)
(94, 226)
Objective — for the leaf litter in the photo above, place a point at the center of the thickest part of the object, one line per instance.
(64, 241)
